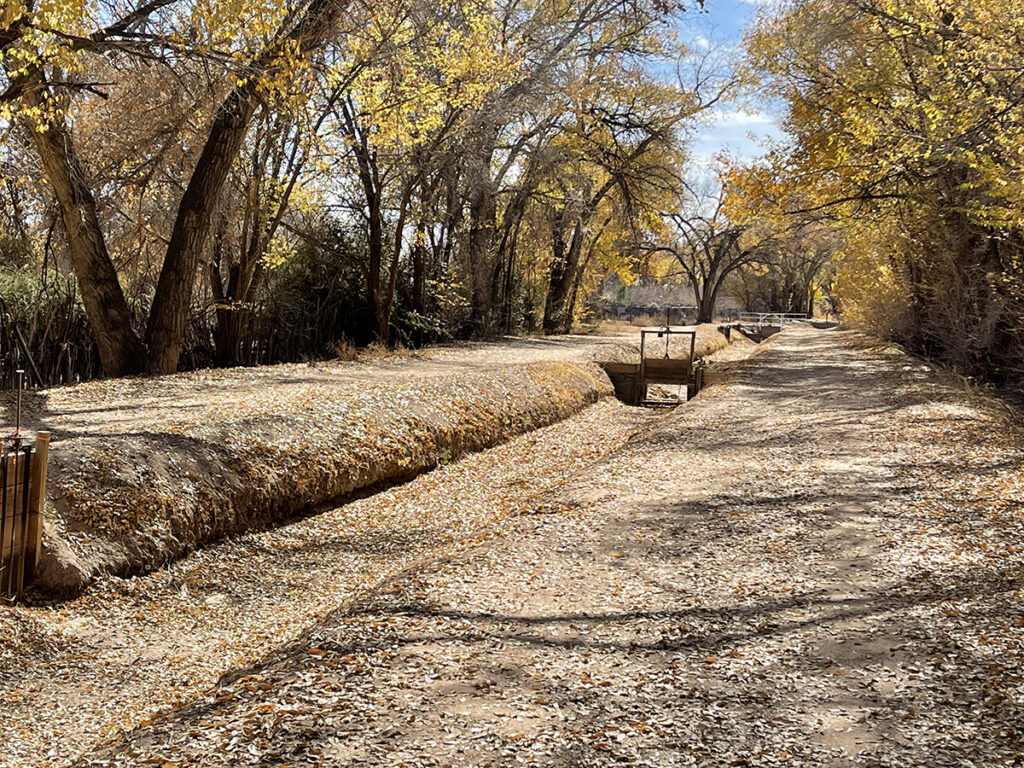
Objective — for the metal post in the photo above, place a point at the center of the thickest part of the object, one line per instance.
(28, 355)
(19, 383)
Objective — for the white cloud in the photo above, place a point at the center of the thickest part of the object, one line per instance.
(738, 132)
(729, 118)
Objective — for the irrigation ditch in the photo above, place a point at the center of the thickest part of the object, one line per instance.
(145, 471)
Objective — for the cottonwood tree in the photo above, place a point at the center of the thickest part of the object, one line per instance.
(706, 245)
(261, 192)
(178, 139)
(906, 118)
(402, 118)
(791, 273)
(603, 168)
(551, 41)
(45, 59)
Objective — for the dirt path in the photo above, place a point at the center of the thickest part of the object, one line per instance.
(819, 564)
(73, 674)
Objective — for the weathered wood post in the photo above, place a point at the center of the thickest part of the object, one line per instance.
(36, 503)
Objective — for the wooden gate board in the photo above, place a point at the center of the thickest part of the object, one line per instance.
(662, 371)
(631, 380)
(666, 370)
(21, 524)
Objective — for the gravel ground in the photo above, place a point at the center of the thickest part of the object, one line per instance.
(817, 563)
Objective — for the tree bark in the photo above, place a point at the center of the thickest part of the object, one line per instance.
(173, 296)
(557, 313)
(169, 312)
(706, 305)
(110, 320)
(482, 216)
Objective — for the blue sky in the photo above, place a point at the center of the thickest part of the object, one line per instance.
(734, 128)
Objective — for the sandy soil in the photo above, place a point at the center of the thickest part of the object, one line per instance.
(816, 564)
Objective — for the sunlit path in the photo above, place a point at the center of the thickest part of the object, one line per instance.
(761, 578)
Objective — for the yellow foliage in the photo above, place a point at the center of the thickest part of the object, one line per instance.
(430, 71)
(906, 124)
(871, 291)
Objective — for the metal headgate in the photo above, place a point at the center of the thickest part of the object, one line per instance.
(632, 380)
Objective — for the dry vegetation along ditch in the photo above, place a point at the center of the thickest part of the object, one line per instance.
(145, 470)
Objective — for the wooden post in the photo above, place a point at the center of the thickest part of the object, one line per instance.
(642, 373)
(36, 502)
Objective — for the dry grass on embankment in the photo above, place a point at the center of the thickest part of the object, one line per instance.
(145, 470)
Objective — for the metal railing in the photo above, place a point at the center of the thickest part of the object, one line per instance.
(781, 319)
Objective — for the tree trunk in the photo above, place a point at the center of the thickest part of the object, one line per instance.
(482, 216)
(173, 296)
(233, 308)
(483, 212)
(557, 313)
(506, 255)
(373, 277)
(419, 268)
(121, 352)
(706, 304)
(558, 259)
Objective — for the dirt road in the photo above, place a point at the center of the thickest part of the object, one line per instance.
(818, 564)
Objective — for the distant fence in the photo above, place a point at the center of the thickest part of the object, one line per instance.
(679, 313)
(781, 319)
(22, 491)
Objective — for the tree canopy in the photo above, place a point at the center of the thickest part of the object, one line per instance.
(905, 125)
(493, 155)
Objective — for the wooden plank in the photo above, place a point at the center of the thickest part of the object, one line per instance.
(17, 556)
(36, 504)
(661, 371)
(15, 470)
(6, 527)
